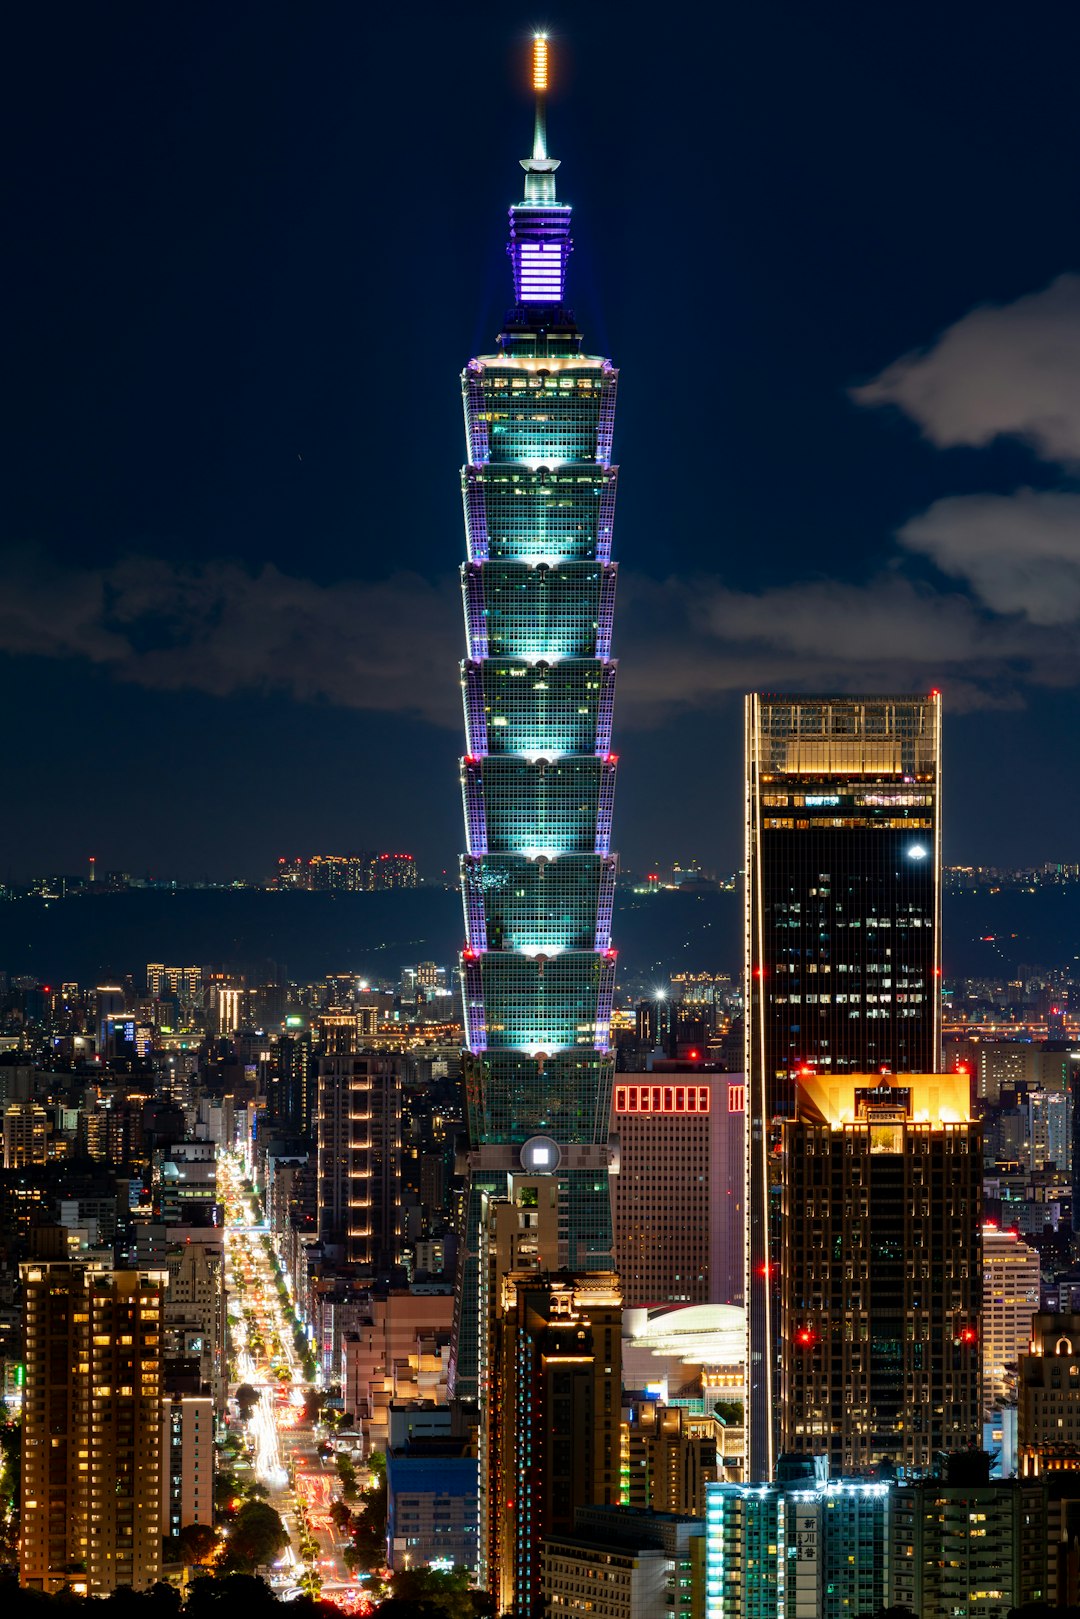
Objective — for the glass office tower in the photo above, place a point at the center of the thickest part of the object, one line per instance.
(842, 943)
(538, 776)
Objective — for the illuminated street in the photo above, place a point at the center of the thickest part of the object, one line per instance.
(281, 1441)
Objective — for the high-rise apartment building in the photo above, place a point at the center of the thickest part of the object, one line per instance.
(538, 776)
(26, 1135)
(1010, 1301)
(92, 1437)
(842, 943)
(800, 1548)
(677, 1199)
(880, 1270)
(359, 1153)
(669, 1455)
(187, 1462)
(963, 1543)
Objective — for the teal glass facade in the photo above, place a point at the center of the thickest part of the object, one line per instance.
(538, 776)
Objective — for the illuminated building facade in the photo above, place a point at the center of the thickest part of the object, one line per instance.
(1012, 1276)
(92, 1437)
(677, 1201)
(1048, 1428)
(538, 777)
(797, 1549)
(842, 942)
(359, 1151)
(880, 1268)
(556, 1386)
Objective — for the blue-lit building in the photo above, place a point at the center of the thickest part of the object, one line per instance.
(538, 776)
(431, 1516)
(801, 1549)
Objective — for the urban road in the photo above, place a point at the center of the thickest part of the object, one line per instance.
(281, 1445)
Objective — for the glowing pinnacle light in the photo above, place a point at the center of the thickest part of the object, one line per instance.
(538, 778)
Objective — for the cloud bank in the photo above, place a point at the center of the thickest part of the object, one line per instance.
(1002, 619)
(1009, 369)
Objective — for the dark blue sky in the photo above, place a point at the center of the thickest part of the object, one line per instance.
(250, 248)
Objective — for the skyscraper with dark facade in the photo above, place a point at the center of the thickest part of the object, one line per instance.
(538, 775)
(880, 1274)
(842, 943)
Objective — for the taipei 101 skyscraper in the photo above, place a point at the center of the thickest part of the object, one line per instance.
(538, 776)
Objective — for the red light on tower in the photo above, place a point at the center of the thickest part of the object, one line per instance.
(695, 1055)
(968, 1335)
(806, 1338)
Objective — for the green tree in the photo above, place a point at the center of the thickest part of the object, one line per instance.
(730, 1412)
(310, 1582)
(226, 1490)
(247, 1399)
(196, 1542)
(445, 1595)
(257, 1536)
(243, 1593)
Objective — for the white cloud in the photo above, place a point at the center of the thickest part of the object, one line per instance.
(1020, 553)
(393, 645)
(389, 645)
(1010, 369)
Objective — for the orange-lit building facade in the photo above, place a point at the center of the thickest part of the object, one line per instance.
(880, 1283)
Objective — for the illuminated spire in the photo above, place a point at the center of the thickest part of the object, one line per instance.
(540, 169)
(540, 87)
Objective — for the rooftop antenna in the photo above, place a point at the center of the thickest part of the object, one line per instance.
(540, 88)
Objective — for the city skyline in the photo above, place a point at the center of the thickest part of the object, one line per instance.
(706, 1239)
(218, 574)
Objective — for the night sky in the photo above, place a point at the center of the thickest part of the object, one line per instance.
(834, 251)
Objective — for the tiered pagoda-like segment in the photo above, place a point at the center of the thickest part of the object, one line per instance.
(538, 777)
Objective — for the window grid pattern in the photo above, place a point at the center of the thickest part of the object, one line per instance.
(518, 513)
(544, 418)
(561, 808)
(539, 612)
(540, 710)
(842, 941)
(539, 906)
(533, 1005)
(512, 1096)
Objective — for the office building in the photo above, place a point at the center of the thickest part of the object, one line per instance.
(92, 1441)
(1048, 1417)
(880, 1261)
(194, 1330)
(1011, 1284)
(359, 1154)
(431, 1511)
(677, 1200)
(553, 1445)
(800, 1548)
(842, 942)
(538, 776)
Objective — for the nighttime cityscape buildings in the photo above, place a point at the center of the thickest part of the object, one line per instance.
(538, 878)
(627, 1285)
(842, 955)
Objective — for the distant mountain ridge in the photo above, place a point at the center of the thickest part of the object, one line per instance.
(304, 936)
